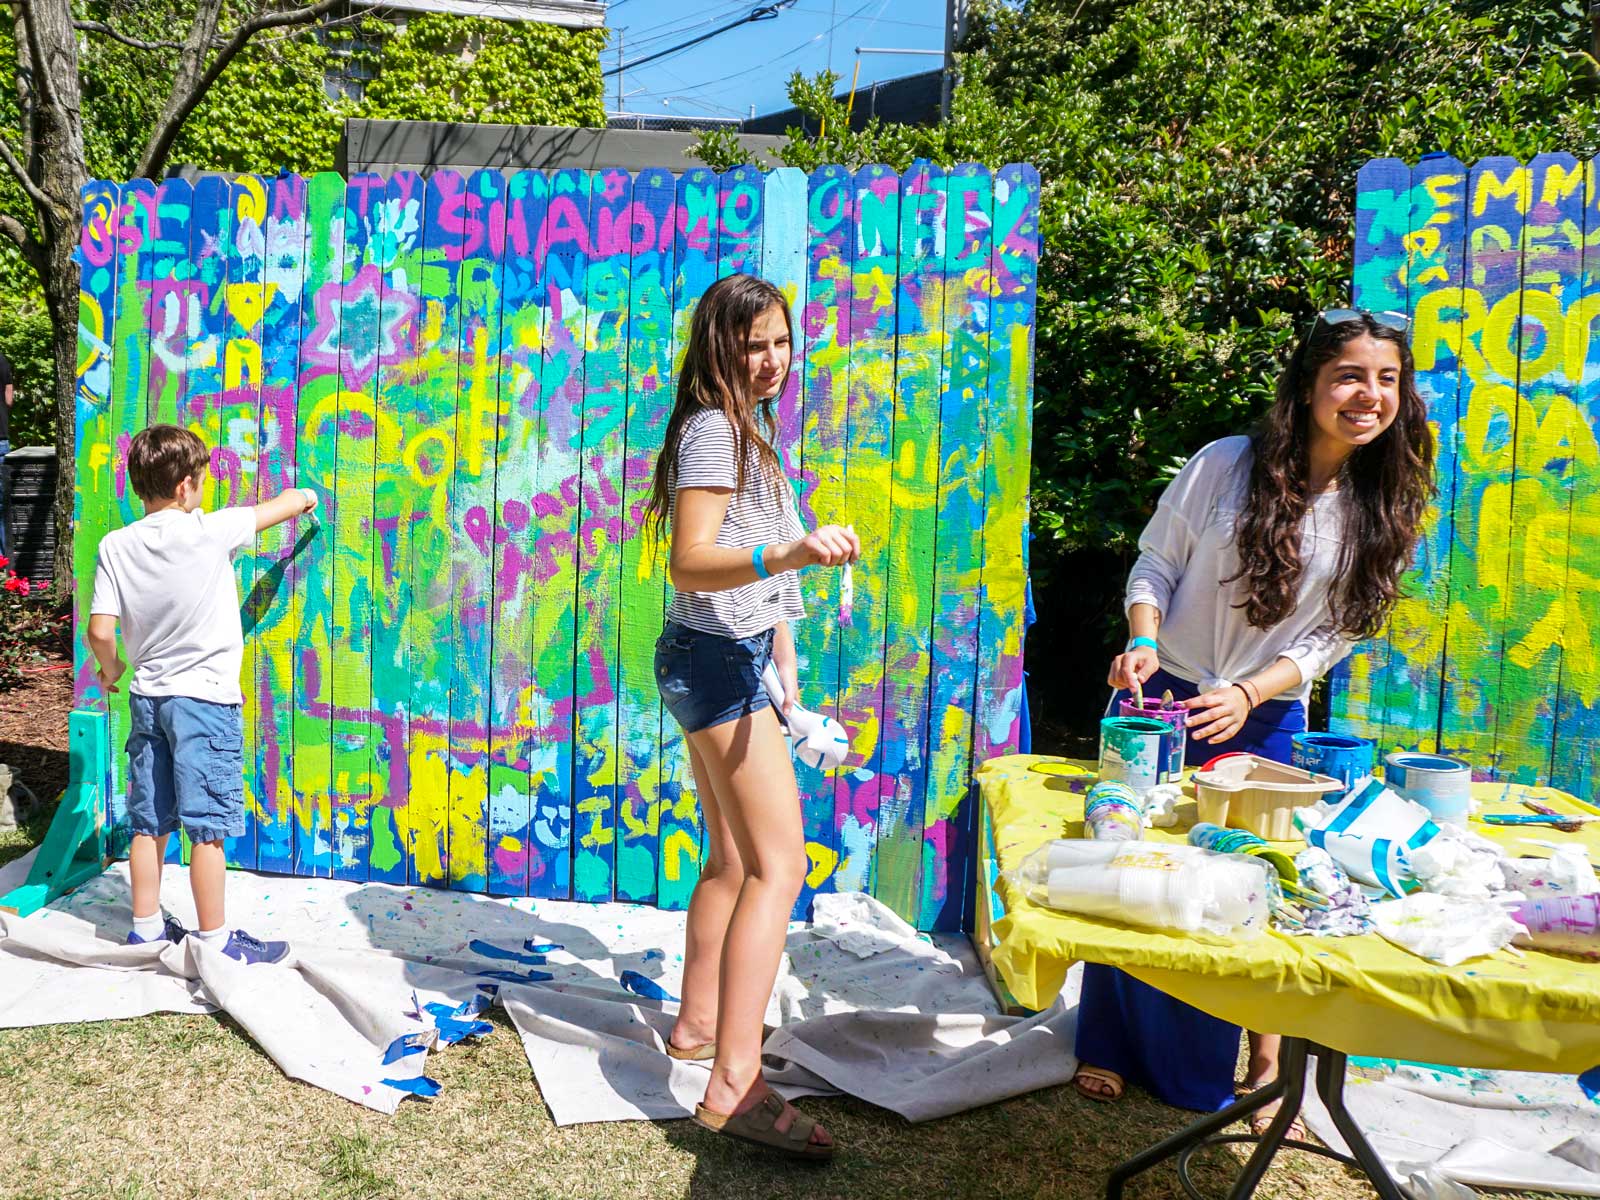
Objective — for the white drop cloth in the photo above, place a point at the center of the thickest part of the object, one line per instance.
(389, 973)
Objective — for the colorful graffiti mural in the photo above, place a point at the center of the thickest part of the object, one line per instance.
(449, 672)
(1492, 653)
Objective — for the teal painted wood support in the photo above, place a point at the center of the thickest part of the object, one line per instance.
(74, 848)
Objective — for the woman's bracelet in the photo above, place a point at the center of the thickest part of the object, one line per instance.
(756, 557)
(1245, 692)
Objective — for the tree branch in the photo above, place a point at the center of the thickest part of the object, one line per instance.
(187, 91)
(114, 35)
(23, 237)
(35, 192)
(25, 103)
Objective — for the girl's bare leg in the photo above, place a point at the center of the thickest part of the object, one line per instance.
(710, 906)
(750, 775)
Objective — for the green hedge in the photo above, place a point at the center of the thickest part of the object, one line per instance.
(1199, 161)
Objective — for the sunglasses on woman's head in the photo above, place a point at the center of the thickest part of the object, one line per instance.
(1396, 321)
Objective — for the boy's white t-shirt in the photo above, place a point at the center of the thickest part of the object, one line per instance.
(168, 579)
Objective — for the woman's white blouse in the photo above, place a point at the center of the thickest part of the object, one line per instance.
(1187, 550)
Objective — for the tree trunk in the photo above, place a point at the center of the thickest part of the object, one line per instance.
(57, 155)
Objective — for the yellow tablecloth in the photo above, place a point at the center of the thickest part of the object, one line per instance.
(1361, 995)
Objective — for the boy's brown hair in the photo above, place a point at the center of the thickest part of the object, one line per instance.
(160, 458)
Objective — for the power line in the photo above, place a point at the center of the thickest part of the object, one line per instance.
(767, 66)
(764, 12)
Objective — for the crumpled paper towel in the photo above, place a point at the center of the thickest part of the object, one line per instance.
(865, 926)
(1461, 864)
(1445, 929)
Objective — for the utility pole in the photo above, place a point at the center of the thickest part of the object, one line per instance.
(955, 28)
(619, 70)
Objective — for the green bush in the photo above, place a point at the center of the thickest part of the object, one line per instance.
(1199, 162)
(25, 341)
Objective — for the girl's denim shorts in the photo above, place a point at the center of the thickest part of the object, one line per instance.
(707, 679)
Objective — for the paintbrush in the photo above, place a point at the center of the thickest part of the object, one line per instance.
(1564, 823)
(1569, 822)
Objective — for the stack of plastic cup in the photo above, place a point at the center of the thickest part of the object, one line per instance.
(1565, 924)
(1113, 812)
(1242, 841)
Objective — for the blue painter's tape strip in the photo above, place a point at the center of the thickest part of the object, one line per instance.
(515, 977)
(533, 947)
(1589, 1081)
(640, 985)
(402, 1046)
(485, 949)
(420, 1086)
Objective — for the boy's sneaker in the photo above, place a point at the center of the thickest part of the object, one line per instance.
(253, 950)
(171, 931)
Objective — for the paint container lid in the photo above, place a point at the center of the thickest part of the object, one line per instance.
(1416, 760)
(1332, 741)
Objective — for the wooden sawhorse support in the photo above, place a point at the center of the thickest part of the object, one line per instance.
(74, 848)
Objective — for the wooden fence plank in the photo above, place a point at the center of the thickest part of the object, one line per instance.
(1480, 563)
(599, 567)
(912, 495)
(822, 379)
(874, 224)
(397, 504)
(472, 508)
(958, 557)
(169, 301)
(511, 677)
(1575, 746)
(564, 244)
(316, 433)
(240, 452)
(269, 607)
(695, 226)
(652, 239)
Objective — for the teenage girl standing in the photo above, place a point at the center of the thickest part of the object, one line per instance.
(737, 544)
(1268, 557)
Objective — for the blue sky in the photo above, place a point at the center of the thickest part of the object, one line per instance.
(724, 76)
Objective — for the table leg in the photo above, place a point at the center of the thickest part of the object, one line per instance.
(1292, 1072)
(1330, 1086)
(1291, 1065)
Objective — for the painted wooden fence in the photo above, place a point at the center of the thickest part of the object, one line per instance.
(449, 676)
(1493, 654)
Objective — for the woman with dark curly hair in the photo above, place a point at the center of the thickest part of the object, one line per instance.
(1268, 557)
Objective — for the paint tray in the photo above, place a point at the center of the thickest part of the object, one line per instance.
(1248, 792)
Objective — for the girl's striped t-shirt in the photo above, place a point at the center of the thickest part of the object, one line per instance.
(762, 512)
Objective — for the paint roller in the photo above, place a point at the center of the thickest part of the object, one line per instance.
(819, 741)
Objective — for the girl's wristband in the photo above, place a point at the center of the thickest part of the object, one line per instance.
(761, 567)
(1135, 643)
(1245, 692)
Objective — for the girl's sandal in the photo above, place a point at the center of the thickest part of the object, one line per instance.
(707, 1051)
(1098, 1084)
(758, 1126)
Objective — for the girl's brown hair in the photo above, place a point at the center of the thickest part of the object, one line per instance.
(1386, 487)
(716, 375)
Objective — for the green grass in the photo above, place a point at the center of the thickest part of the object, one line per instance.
(187, 1106)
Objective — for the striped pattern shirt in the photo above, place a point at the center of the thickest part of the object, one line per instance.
(758, 514)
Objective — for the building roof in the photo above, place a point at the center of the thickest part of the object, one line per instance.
(574, 14)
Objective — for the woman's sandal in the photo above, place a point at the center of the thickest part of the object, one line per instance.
(1107, 1087)
(1261, 1120)
(759, 1127)
(707, 1051)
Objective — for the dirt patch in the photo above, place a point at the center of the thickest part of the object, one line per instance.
(33, 727)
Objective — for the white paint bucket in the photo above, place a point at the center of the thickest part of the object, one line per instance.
(1441, 784)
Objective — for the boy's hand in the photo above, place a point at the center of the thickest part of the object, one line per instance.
(108, 679)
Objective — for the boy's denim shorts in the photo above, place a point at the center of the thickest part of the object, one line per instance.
(185, 767)
(707, 679)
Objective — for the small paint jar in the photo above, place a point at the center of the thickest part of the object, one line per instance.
(1173, 716)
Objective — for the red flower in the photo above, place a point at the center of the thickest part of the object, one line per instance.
(13, 584)
(26, 587)
(4, 562)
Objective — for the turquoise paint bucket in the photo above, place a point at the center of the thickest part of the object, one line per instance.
(1135, 751)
